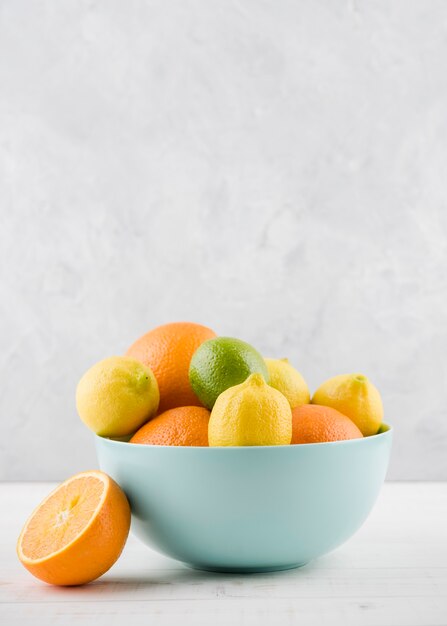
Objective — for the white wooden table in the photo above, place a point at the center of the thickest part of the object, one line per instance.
(392, 573)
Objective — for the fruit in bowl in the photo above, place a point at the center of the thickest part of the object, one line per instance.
(227, 461)
(280, 478)
(116, 396)
(251, 414)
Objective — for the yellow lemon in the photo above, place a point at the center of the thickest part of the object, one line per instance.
(286, 379)
(116, 396)
(355, 396)
(251, 414)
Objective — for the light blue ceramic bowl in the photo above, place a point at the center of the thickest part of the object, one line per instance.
(248, 509)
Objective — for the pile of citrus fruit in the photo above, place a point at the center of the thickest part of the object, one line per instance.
(182, 385)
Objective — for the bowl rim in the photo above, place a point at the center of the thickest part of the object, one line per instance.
(385, 430)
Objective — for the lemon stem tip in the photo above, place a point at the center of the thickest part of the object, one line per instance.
(360, 378)
(256, 379)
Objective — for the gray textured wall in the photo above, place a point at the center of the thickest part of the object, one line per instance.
(276, 170)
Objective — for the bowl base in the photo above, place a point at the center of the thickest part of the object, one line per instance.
(245, 570)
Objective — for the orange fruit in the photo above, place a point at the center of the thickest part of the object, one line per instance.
(168, 350)
(182, 426)
(77, 533)
(312, 423)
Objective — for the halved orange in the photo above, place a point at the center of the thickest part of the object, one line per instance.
(77, 533)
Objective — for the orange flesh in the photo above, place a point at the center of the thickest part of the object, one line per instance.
(62, 517)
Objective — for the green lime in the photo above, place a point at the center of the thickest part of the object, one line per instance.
(221, 363)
